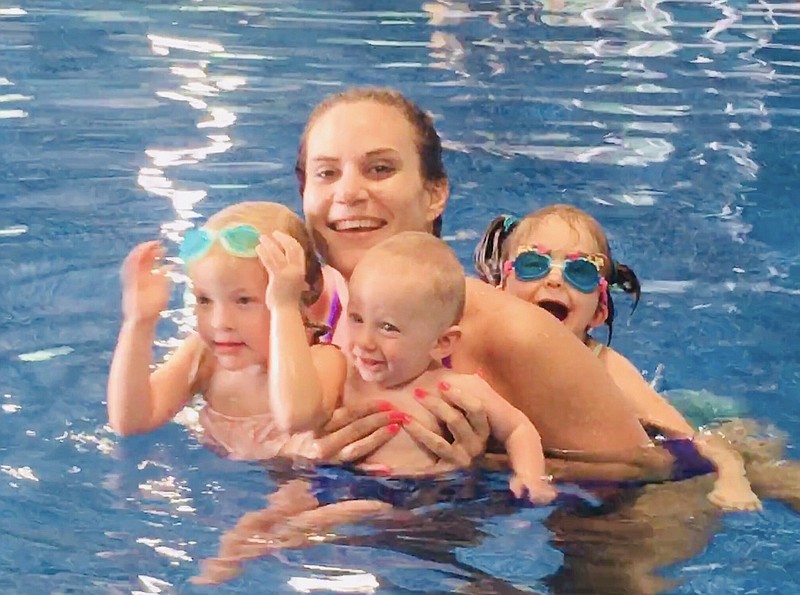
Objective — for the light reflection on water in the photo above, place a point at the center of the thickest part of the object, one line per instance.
(674, 123)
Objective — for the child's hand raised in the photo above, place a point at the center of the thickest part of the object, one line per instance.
(539, 490)
(145, 286)
(285, 261)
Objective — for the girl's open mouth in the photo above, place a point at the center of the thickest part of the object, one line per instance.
(557, 309)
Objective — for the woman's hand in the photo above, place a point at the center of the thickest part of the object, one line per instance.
(357, 431)
(465, 418)
(145, 286)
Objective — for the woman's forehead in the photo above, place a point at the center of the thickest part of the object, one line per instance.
(360, 126)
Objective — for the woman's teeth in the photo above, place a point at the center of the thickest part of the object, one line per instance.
(357, 225)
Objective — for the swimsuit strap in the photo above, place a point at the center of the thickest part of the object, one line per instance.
(596, 347)
(333, 317)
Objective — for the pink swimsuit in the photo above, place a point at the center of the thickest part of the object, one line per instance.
(241, 438)
(254, 438)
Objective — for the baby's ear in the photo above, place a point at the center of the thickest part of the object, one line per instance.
(446, 343)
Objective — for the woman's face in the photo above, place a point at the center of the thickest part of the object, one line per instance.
(364, 181)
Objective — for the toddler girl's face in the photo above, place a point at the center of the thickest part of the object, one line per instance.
(232, 316)
(577, 310)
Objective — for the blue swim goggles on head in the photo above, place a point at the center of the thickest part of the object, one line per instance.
(582, 271)
(237, 240)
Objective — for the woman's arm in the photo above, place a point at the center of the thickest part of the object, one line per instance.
(539, 366)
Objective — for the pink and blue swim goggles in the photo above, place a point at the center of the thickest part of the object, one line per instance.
(237, 240)
(582, 271)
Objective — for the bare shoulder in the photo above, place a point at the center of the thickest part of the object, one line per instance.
(616, 363)
(503, 323)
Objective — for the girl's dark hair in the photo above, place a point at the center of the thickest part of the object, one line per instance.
(488, 254)
(494, 249)
(429, 144)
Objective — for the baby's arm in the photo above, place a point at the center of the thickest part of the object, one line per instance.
(521, 440)
(731, 489)
(305, 382)
(139, 401)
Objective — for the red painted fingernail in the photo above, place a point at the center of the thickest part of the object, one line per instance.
(420, 393)
(394, 428)
(384, 406)
(382, 470)
(399, 417)
(444, 385)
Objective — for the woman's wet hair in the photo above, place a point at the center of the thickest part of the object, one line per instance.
(429, 144)
(267, 217)
(502, 235)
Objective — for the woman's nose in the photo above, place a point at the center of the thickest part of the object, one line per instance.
(350, 187)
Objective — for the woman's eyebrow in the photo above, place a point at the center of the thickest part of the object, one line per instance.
(321, 158)
(381, 151)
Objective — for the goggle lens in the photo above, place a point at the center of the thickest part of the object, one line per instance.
(579, 272)
(240, 241)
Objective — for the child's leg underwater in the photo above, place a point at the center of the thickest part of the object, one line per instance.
(763, 448)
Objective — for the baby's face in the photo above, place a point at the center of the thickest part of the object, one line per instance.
(579, 311)
(392, 326)
(232, 317)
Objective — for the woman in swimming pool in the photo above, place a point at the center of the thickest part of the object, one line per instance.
(369, 166)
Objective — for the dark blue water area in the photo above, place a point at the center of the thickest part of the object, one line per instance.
(674, 123)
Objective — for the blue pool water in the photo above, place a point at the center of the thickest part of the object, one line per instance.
(675, 123)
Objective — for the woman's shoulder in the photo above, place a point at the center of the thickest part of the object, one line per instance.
(335, 283)
(493, 312)
(334, 294)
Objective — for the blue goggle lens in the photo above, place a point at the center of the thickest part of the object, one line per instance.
(581, 273)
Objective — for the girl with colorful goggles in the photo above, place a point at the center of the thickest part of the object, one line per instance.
(508, 246)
